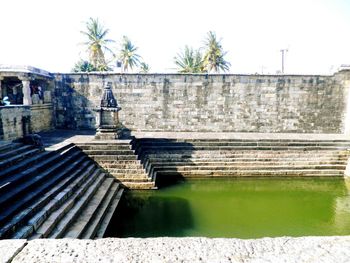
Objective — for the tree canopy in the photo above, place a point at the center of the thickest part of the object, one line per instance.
(214, 55)
(128, 55)
(97, 44)
(190, 60)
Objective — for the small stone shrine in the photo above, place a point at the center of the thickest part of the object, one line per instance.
(107, 120)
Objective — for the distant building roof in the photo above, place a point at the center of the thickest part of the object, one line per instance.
(24, 69)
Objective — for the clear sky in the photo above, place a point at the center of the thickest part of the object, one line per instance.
(46, 33)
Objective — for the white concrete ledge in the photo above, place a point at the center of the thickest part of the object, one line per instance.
(283, 249)
(10, 248)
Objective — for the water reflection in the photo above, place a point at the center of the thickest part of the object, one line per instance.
(342, 210)
(151, 216)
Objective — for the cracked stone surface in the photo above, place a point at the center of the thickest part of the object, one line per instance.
(283, 249)
(9, 248)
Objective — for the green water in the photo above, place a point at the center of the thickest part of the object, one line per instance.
(242, 208)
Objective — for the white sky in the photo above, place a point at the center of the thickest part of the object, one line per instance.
(46, 33)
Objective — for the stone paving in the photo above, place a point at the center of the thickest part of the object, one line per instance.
(283, 249)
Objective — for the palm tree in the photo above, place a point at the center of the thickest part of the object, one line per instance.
(83, 66)
(144, 67)
(128, 55)
(97, 43)
(189, 61)
(214, 55)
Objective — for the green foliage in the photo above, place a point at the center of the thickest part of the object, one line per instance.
(144, 67)
(97, 43)
(189, 61)
(83, 66)
(128, 55)
(214, 55)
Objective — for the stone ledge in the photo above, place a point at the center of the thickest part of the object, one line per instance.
(10, 248)
(282, 249)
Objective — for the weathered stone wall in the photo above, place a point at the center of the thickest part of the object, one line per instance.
(41, 117)
(17, 120)
(216, 103)
(14, 121)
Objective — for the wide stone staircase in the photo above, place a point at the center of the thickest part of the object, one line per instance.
(164, 158)
(118, 158)
(54, 194)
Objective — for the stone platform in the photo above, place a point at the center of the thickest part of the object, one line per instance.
(282, 249)
(65, 136)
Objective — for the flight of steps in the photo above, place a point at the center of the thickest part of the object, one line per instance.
(53, 194)
(261, 157)
(119, 160)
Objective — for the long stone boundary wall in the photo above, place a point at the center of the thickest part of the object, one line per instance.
(282, 249)
(209, 103)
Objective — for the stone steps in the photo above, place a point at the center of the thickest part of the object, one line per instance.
(255, 167)
(103, 213)
(84, 219)
(245, 157)
(266, 157)
(61, 219)
(18, 185)
(241, 144)
(61, 205)
(238, 151)
(246, 162)
(22, 165)
(109, 152)
(105, 158)
(45, 192)
(104, 147)
(127, 171)
(234, 153)
(53, 199)
(10, 161)
(107, 219)
(144, 141)
(248, 159)
(120, 161)
(53, 194)
(122, 166)
(101, 142)
(8, 146)
(140, 185)
(135, 179)
(180, 149)
(16, 151)
(231, 173)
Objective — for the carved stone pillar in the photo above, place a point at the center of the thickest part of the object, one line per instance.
(27, 99)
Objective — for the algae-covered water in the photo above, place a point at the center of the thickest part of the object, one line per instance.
(242, 208)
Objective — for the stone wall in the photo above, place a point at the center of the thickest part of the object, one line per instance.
(18, 120)
(41, 117)
(216, 103)
(14, 122)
